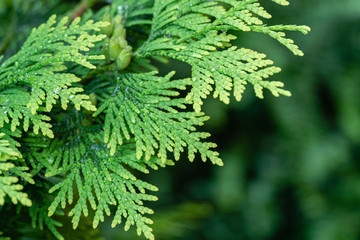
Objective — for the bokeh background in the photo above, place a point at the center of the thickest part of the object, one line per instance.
(292, 165)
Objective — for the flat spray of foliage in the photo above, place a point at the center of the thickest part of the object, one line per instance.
(82, 111)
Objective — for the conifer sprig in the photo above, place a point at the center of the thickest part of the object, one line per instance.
(194, 32)
(37, 73)
(101, 180)
(145, 105)
(9, 183)
(121, 119)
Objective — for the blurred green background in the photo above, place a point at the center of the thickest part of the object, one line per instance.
(292, 168)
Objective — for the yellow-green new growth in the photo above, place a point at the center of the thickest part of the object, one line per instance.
(116, 48)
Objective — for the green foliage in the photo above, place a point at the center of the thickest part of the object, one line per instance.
(143, 105)
(195, 32)
(40, 218)
(39, 66)
(10, 173)
(98, 121)
(100, 179)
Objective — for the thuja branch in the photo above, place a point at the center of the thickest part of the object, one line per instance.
(135, 120)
